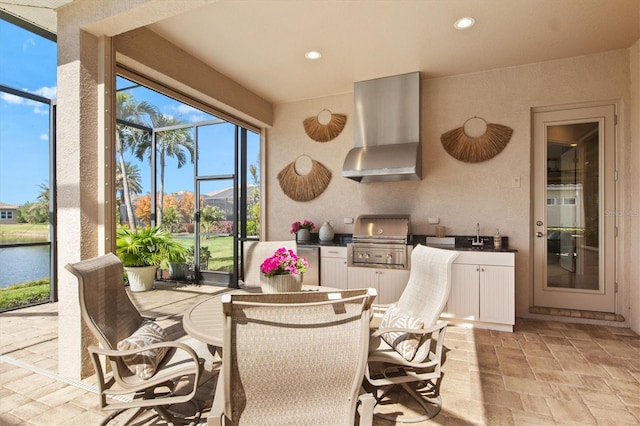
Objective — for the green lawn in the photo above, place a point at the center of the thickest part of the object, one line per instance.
(24, 294)
(24, 231)
(221, 249)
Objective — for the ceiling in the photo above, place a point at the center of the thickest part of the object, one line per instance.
(261, 43)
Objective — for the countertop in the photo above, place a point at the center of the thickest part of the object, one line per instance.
(462, 243)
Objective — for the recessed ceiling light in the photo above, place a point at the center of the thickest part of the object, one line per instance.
(313, 55)
(463, 23)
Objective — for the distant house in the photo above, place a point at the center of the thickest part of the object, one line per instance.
(8, 213)
(223, 199)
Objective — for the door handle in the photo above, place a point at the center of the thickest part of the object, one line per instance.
(539, 234)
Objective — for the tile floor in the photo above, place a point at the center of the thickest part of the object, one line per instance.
(545, 373)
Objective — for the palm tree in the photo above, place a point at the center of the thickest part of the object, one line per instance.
(132, 172)
(128, 138)
(173, 143)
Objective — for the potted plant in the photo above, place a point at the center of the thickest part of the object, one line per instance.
(302, 229)
(282, 272)
(142, 251)
(179, 265)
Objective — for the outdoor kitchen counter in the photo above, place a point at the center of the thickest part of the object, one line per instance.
(463, 243)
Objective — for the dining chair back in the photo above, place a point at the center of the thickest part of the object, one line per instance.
(294, 358)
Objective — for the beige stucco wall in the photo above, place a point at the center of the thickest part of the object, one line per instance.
(460, 194)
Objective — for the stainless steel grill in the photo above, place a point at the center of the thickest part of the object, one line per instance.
(380, 241)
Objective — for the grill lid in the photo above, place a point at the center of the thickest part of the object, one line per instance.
(381, 228)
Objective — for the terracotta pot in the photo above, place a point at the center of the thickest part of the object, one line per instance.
(281, 283)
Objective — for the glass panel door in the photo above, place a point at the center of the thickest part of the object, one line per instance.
(574, 187)
(573, 256)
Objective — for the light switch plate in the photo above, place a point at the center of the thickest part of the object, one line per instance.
(348, 220)
(515, 181)
(434, 220)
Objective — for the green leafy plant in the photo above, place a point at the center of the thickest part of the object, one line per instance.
(147, 246)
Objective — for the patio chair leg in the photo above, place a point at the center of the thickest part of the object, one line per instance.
(175, 418)
(430, 404)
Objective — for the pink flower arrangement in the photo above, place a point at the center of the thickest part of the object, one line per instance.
(284, 262)
(306, 224)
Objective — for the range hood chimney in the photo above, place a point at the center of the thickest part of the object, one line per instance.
(387, 130)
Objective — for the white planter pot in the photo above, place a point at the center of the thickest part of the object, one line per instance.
(141, 278)
(281, 283)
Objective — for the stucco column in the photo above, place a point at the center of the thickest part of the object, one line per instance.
(84, 177)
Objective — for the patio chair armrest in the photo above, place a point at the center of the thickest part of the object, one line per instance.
(114, 353)
(378, 308)
(429, 330)
(162, 318)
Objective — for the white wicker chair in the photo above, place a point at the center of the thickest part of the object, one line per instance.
(111, 316)
(423, 299)
(294, 358)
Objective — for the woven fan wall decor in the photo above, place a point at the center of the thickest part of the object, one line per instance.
(324, 132)
(476, 149)
(304, 187)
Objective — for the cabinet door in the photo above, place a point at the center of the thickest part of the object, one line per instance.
(464, 295)
(497, 294)
(363, 278)
(333, 272)
(391, 284)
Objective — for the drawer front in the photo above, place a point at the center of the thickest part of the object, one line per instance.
(340, 252)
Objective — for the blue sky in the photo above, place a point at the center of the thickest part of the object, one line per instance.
(28, 63)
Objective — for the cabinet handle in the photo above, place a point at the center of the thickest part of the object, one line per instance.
(478, 269)
(482, 269)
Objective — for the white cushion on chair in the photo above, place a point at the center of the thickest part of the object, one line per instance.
(405, 344)
(144, 363)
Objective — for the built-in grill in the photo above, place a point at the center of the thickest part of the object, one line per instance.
(380, 241)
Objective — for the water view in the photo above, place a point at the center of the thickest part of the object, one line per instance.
(22, 264)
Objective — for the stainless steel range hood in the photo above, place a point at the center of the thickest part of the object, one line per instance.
(387, 130)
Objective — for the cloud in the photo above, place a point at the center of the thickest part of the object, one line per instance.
(44, 137)
(12, 99)
(30, 42)
(187, 109)
(38, 107)
(191, 114)
(47, 92)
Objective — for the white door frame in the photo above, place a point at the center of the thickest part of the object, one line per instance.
(603, 299)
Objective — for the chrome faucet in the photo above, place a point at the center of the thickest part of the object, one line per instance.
(477, 241)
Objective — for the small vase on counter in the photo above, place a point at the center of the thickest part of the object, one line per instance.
(303, 235)
(497, 240)
(326, 233)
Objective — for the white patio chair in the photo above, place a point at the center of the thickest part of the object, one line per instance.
(405, 352)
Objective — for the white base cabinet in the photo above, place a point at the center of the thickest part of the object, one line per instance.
(333, 267)
(482, 291)
(389, 283)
